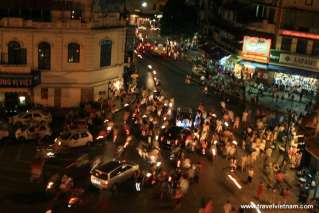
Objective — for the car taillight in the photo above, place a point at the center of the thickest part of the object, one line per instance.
(104, 183)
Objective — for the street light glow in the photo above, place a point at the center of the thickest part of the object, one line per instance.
(234, 181)
(144, 4)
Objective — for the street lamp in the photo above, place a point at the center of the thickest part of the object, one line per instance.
(144, 4)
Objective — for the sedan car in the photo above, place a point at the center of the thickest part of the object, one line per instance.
(33, 133)
(31, 117)
(113, 173)
(74, 139)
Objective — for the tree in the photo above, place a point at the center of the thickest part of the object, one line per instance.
(179, 19)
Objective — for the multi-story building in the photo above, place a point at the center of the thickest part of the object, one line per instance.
(290, 25)
(284, 36)
(59, 54)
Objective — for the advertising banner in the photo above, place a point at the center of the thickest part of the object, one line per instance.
(256, 49)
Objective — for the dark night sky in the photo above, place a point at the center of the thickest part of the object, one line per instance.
(37, 4)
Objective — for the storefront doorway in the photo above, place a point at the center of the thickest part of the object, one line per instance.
(14, 102)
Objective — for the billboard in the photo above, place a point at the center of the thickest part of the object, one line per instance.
(256, 49)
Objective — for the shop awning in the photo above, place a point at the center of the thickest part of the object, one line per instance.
(281, 69)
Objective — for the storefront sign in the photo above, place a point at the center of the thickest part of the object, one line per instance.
(19, 80)
(298, 60)
(274, 56)
(256, 49)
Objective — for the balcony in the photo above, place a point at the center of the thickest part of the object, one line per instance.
(262, 26)
(15, 68)
(16, 63)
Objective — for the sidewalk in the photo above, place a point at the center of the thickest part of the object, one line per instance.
(265, 101)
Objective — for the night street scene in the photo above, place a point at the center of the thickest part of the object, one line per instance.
(146, 106)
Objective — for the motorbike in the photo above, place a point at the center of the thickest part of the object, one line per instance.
(151, 176)
(75, 198)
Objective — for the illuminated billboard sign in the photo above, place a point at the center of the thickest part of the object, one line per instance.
(256, 49)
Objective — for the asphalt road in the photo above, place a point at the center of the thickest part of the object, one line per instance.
(19, 195)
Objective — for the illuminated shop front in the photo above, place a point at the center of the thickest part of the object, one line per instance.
(16, 88)
(272, 67)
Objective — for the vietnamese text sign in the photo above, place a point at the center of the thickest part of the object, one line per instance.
(299, 60)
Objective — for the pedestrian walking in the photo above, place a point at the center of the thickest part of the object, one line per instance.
(209, 207)
(260, 190)
(227, 207)
(243, 163)
(250, 175)
(178, 197)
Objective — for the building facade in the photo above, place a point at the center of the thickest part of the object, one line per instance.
(71, 59)
(291, 26)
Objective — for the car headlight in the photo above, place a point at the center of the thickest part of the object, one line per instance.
(99, 137)
(50, 185)
(158, 164)
(50, 154)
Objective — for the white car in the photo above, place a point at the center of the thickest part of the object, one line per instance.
(113, 173)
(75, 139)
(33, 133)
(34, 116)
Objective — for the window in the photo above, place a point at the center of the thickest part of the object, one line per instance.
(16, 54)
(44, 56)
(115, 172)
(309, 2)
(286, 43)
(125, 168)
(73, 53)
(106, 53)
(315, 48)
(44, 93)
(302, 46)
(76, 14)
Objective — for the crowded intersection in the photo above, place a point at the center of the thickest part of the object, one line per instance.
(188, 150)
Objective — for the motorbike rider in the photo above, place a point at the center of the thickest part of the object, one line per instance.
(66, 183)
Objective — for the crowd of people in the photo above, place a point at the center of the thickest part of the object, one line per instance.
(228, 135)
(284, 87)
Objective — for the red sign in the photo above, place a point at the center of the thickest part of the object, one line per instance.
(256, 49)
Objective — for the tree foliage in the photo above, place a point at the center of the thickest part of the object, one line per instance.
(179, 18)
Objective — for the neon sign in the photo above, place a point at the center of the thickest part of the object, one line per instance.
(299, 34)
